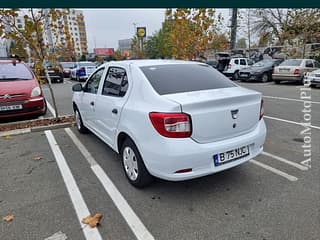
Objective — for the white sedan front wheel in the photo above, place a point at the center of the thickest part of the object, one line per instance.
(81, 128)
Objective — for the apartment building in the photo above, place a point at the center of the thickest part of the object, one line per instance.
(77, 29)
(70, 26)
(72, 23)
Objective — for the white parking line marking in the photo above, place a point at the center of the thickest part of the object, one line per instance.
(53, 112)
(288, 99)
(274, 170)
(81, 147)
(68, 81)
(297, 165)
(288, 121)
(73, 190)
(136, 225)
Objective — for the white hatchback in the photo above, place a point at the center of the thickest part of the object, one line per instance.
(174, 120)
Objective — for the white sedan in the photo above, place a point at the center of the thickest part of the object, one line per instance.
(174, 120)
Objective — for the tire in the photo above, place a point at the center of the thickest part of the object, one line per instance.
(235, 75)
(133, 165)
(301, 82)
(79, 124)
(264, 78)
(45, 109)
(276, 81)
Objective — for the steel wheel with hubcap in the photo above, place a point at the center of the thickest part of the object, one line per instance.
(130, 163)
(133, 165)
(264, 78)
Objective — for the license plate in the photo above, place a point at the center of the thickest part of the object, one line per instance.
(283, 70)
(50, 71)
(244, 74)
(224, 157)
(11, 107)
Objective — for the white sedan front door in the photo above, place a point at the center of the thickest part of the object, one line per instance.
(88, 98)
(110, 102)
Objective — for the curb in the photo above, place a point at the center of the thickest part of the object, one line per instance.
(36, 129)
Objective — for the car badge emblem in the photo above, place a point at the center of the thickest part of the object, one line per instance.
(234, 113)
(6, 96)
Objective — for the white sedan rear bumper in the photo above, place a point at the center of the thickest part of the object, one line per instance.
(176, 154)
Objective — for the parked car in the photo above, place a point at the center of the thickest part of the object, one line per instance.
(260, 71)
(174, 120)
(235, 65)
(294, 70)
(223, 59)
(55, 72)
(82, 70)
(20, 92)
(313, 77)
(212, 63)
(66, 67)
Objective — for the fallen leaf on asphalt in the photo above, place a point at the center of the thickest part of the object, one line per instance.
(7, 137)
(92, 221)
(37, 158)
(57, 236)
(8, 218)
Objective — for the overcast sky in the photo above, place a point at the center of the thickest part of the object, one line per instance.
(106, 26)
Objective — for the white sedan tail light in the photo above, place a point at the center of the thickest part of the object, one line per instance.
(172, 125)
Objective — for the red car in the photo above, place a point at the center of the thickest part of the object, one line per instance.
(20, 92)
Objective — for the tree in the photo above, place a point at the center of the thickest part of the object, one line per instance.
(241, 43)
(137, 52)
(83, 57)
(191, 31)
(219, 42)
(118, 56)
(246, 19)
(17, 48)
(38, 23)
(271, 21)
(164, 45)
(288, 25)
(152, 49)
(304, 26)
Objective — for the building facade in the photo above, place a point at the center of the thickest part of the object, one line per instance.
(70, 33)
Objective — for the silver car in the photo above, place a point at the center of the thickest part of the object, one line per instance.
(294, 70)
(313, 77)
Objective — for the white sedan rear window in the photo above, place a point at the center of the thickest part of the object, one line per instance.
(177, 78)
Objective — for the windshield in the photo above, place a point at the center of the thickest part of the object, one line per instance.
(67, 64)
(262, 63)
(8, 71)
(291, 62)
(87, 64)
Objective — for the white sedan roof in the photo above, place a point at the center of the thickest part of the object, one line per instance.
(148, 62)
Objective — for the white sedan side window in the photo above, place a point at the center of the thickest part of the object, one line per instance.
(92, 84)
(116, 82)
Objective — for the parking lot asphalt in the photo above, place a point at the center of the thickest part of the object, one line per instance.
(273, 197)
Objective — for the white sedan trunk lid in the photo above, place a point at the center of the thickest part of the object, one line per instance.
(220, 113)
